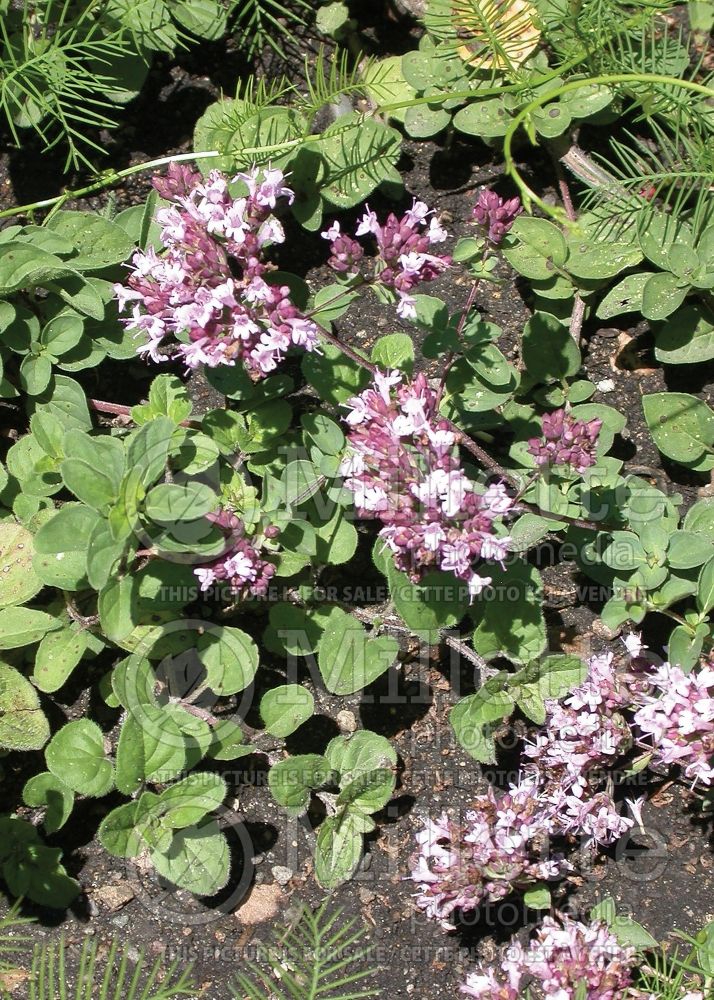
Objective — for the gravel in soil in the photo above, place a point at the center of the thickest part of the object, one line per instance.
(662, 877)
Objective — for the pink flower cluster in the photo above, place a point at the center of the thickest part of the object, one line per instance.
(402, 467)
(566, 441)
(677, 719)
(498, 847)
(242, 565)
(496, 215)
(208, 289)
(567, 959)
(403, 258)
(582, 738)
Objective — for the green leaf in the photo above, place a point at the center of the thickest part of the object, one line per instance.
(336, 541)
(297, 630)
(705, 948)
(23, 626)
(334, 376)
(18, 580)
(439, 601)
(205, 18)
(520, 635)
(61, 546)
(421, 121)
(121, 832)
(626, 296)
(151, 746)
(369, 792)
(688, 549)
(31, 869)
(359, 754)
(530, 529)
(198, 859)
(324, 432)
(35, 373)
(630, 934)
(592, 258)
(348, 659)
(357, 158)
(684, 647)
(485, 119)
(705, 588)
(394, 350)
(167, 397)
(473, 718)
(338, 849)
(75, 754)
(291, 781)
(171, 502)
(700, 517)
(230, 658)
(187, 802)
(26, 266)
(686, 338)
(541, 247)
(552, 120)
(284, 709)
(549, 352)
(148, 449)
(97, 241)
(23, 725)
(681, 425)
(65, 400)
(662, 294)
(57, 656)
(63, 332)
(48, 790)
(538, 898)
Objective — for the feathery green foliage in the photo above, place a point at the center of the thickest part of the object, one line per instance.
(53, 975)
(314, 959)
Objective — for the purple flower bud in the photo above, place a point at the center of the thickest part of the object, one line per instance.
(495, 215)
(566, 441)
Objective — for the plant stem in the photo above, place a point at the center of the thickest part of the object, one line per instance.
(120, 410)
(107, 179)
(459, 330)
(528, 195)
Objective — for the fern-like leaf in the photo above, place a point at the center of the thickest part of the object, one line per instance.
(330, 79)
(115, 977)
(320, 957)
(266, 22)
(54, 67)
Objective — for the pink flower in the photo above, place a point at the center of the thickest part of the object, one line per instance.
(677, 718)
(190, 292)
(494, 850)
(402, 467)
(243, 564)
(567, 959)
(403, 259)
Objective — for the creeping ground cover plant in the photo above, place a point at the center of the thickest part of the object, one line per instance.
(221, 574)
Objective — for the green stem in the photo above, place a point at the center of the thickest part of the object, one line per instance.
(106, 180)
(529, 196)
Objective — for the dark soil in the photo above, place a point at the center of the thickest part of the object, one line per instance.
(663, 877)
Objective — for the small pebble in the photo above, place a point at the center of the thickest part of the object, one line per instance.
(281, 874)
(607, 385)
(346, 721)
